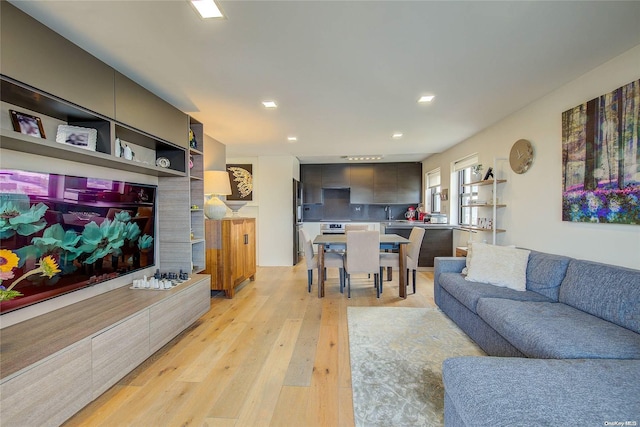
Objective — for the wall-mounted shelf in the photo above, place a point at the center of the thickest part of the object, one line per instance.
(54, 111)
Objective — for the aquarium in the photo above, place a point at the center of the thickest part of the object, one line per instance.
(91, 230)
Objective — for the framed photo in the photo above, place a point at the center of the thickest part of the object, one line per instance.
(77, 136)
(27, 124)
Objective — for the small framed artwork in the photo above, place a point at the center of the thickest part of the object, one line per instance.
(27, 124)
(241, 178)
(77, 136)
(444, 194)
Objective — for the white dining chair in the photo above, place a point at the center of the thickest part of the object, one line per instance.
(355, 227)
(331, 259)
(362, 256)
(389, 259)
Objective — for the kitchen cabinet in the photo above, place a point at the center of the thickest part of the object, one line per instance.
(385, 183)
(311, 183)
(361, 184)
(335, 176)
(436, 242)
(409, 177)
(231, 252)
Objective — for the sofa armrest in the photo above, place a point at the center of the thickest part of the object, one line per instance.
(445, 265)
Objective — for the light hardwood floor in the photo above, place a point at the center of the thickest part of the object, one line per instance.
(274, 355)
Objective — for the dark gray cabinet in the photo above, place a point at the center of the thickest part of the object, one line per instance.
(362, 184)
(436, 242)
(385, 183)
(409, 182)
(311, 183)
(335, 176)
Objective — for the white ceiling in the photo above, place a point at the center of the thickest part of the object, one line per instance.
(346, 74)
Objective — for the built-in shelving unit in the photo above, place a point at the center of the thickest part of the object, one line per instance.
(494, 206)
(196, 187)
(54, 111)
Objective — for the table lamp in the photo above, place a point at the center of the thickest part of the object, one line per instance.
(216, 183)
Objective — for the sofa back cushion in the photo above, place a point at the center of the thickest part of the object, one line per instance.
(609, 292)
(545, 273)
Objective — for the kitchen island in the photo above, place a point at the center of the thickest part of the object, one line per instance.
(437, 240)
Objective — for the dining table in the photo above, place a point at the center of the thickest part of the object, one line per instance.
(339, 242)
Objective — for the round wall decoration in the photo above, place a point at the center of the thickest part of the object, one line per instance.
(521, 156)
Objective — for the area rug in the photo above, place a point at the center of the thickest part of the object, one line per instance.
(396, 364)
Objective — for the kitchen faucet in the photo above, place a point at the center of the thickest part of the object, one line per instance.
(388, 210)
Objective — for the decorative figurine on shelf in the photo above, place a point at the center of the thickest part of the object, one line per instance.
(489, 174)
(193, 143)
(118, 150)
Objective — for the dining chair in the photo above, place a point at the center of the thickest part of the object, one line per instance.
(388, 259)
(331, 259)
(355, 227)
(362, 256)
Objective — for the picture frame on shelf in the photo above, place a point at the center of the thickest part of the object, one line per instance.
(77, 136)
(27, 124)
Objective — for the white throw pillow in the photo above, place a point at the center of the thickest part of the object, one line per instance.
(498, 265)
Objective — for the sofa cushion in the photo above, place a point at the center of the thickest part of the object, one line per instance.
(468, 293)
(606, 291)
(502, 391)
(545, 273)
(498, 265)
(552, 330)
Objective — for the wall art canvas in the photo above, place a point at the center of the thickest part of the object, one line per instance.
(241, 177)
(601, 159)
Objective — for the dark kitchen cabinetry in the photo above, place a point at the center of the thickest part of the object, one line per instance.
(436, 242)
(335, 176)
(362, 184)
(385, 183)
(311, 183)
(409, 182)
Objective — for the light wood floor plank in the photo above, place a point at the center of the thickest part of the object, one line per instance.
(261, 401)
(291, 409)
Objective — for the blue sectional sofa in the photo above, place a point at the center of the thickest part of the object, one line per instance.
(567, 347)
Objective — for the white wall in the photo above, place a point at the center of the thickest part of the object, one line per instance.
(533, 216)
(272, 205)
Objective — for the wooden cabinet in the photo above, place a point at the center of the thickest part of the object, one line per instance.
(311, 183)
(361, 184)
(231, 252)
(335, 176)
(55, 364)
(118, 350)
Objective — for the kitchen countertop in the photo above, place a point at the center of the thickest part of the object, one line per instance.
(411, 224)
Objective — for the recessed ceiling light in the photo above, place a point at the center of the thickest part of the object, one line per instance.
(207, 8)
(426, 98)
(269, 104)
(292, 138)
(397, 135)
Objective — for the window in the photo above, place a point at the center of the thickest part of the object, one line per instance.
(466, 193)
(433, 190)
